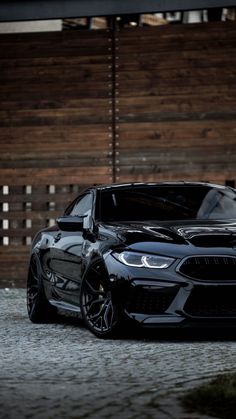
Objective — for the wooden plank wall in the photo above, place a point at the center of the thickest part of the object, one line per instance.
(85, 107)
(55, 131)
(176, 103)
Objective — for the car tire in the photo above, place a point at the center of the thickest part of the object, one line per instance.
(39, 309)
(100, 313)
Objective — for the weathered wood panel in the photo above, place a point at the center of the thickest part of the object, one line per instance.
(55, 132)
(145, 104)
(176, 103)
(52, 111)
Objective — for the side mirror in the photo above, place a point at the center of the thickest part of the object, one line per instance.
(70, 223)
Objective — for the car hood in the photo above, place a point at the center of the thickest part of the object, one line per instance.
(177, 237)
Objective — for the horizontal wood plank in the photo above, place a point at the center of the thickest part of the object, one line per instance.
(57, 103)
(223, 156)
(208, 174)
(31, 215)
(18, 232)
(209, 29)
(64, 176)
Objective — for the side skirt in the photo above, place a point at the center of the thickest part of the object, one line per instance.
(62, 305)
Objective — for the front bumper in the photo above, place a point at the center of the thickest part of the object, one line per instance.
(165, 298)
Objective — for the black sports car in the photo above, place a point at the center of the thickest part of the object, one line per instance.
(157, 254)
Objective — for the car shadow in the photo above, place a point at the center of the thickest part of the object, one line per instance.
(133, 332)
(186, 335)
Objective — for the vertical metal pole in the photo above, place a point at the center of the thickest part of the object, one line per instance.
(115, 100)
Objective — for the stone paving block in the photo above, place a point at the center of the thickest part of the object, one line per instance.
(63, 371)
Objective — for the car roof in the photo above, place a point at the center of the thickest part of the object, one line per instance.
(114, 186)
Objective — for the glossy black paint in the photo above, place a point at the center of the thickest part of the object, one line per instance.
(151, 297)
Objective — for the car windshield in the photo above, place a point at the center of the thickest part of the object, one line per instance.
(167, 202)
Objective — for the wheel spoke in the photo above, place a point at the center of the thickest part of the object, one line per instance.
(104, 317)
(99, 323)
(32, 297)
(32, 286)
(92, 290)
(92, 301)
(97, 305)
(32, 306)
(96, 314)
(108, 311)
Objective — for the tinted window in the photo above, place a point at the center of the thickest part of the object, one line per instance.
(168, 203)
(83, 206)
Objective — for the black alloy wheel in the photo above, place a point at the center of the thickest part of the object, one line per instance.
(39, 310)
(99, 312)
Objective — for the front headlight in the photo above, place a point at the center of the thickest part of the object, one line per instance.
(140, 260)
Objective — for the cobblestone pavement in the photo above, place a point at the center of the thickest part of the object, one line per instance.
(63, 371)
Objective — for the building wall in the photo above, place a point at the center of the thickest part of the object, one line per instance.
(176, 97)
(31, 26)
(85, 107)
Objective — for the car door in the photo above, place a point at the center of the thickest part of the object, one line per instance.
(66, 254)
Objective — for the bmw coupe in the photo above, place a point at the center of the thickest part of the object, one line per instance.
(156, 254)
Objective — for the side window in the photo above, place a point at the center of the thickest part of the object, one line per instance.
(83, 206)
